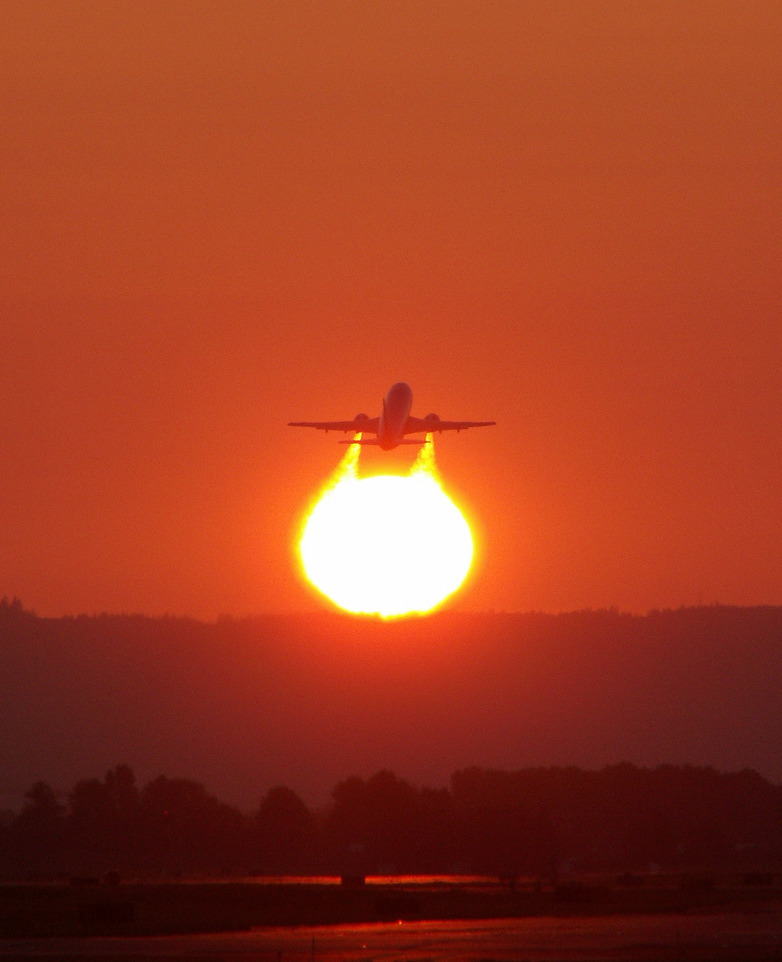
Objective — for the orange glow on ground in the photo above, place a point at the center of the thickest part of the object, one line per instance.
(386, 545)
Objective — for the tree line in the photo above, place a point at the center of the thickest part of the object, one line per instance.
(535, 821)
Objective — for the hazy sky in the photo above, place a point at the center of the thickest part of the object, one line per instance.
(221, 216)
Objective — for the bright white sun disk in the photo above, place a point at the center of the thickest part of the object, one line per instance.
(387, 545)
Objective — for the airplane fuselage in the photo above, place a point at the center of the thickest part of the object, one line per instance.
(393, 417)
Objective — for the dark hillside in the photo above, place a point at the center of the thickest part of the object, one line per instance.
(245, 704)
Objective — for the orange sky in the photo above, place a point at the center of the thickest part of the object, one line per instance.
(218, 217)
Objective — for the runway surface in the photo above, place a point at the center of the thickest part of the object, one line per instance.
(730, 937)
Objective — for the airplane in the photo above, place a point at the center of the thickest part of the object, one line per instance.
(394, 422)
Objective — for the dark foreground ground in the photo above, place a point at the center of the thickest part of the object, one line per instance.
(675, 918)
(84, 908)
(749, 936)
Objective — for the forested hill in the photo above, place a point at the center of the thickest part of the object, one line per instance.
(245, 704)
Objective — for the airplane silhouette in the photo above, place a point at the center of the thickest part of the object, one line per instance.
(393, 423)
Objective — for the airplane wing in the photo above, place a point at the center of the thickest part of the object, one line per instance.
(435, 424)
(357, 424)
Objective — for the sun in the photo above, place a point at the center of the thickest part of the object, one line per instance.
(386, 545)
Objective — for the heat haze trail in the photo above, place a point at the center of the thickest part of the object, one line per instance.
(387, 545)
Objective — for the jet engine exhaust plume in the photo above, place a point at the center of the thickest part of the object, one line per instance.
(425, 461)
(386, 545)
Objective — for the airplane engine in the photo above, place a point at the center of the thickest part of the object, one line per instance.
(433, 419)
(361, 417)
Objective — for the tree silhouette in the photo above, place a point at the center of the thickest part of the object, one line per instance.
(38, 832)
(286, 833)
(104, 821)
(185, 828)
